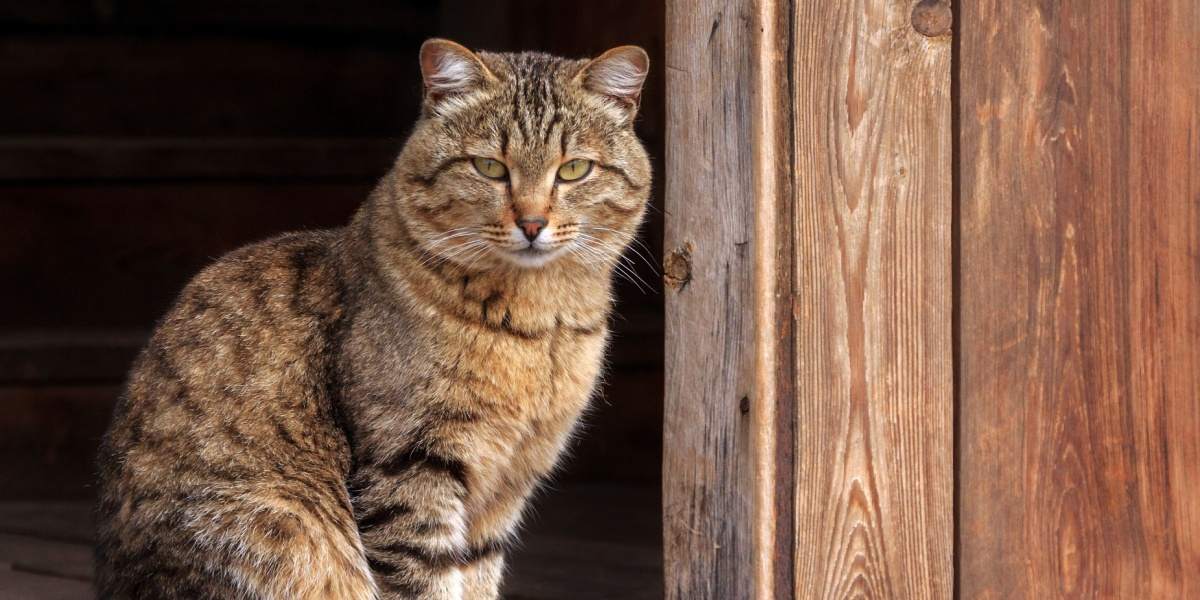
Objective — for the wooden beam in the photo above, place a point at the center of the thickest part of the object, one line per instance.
(707, 469)
(61, 159)
(1080, 299)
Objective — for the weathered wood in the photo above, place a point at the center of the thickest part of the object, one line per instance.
(872, 304)
(707, 475)
(205, 86)
(49, 520)
(19, 584)
(111, 258)
(48, 441)
(224, 15)
(773, 412)
(1080, 299)
(64, 159)
(46, 557)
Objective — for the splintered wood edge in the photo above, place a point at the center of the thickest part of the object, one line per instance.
(762, 418)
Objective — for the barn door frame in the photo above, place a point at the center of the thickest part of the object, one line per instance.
(808, 430)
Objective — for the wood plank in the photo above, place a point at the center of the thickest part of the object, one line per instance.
(205, 86)
(46, 557)
(773, 407)
(68, 158)
(67, 521)
(48, 440)
(18, 584)
(556, 566)
(708, 478)
(872, 304)
(112, 258)
(1080, 299)
(412, 18)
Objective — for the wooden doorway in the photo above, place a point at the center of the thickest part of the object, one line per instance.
(933, 307)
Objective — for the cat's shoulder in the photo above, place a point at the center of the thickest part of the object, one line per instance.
(293, 275)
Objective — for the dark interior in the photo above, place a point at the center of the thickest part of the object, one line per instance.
(140, 140)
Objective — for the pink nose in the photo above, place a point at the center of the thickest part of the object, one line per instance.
(532, 226)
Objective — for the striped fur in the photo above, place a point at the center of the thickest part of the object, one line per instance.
(365, 412)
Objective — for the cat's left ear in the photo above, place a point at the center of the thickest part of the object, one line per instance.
(449, 69)
(618, 74)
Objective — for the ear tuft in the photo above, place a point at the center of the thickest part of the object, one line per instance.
(618, 74)
(448, 69)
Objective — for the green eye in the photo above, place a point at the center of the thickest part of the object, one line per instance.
(574, 170)
(492, 169)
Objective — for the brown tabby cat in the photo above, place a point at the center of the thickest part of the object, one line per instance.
(364, 412)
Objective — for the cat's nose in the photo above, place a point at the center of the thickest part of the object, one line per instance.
(532, 226)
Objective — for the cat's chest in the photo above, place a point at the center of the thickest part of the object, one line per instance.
(529, 378)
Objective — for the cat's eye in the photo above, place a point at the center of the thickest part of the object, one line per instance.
(492, 169)
(574, 170)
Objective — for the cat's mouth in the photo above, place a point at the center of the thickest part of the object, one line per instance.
(532, 256)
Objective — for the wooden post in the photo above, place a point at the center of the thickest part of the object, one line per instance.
(708, 266)
(809, 401)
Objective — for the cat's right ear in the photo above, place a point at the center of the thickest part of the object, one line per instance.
(448, 69)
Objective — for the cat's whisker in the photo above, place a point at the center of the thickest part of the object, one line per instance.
(439, 258)
(482, 251)
(605, 252)
(635, 244)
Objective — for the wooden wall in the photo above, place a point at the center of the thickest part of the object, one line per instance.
(141, 140)
(936, 327)
(1079, 278)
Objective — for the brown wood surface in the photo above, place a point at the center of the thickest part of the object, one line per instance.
(1079, 278)
(48, 439)
(872, 304)
(61, 159)
(707, 479)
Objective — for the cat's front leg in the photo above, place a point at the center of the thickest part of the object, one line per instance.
(483, 576)
(410, 516)
(493, 525)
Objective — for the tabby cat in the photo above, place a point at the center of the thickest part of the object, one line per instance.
(364, 412)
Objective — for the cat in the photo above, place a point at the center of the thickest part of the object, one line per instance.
(364, 412)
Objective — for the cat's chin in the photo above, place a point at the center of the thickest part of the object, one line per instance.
(532, 258)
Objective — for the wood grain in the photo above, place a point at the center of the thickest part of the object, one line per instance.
(1080, 299)
(48, 440)
(871, 303)
(707, 479)
(61, 159)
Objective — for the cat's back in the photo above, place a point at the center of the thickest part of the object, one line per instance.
(249, 333)
(228, 406)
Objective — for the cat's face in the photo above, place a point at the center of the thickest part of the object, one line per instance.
(525, 159)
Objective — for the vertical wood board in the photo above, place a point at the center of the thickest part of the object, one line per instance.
(1079, 361)
(707, 484)
(872, 303)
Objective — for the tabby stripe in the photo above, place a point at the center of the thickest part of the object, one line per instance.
(428, 180)
(625, 210)
(381, 567)
(489, 549)
(624, 175)
(487, 303)
(507, 327)
(416, 456)
(437, 560)
(433, 560)
(382, 516)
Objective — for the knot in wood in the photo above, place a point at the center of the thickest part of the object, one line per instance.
(932, 18)
(677, 267)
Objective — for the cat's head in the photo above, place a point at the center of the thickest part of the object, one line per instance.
(525, 159)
